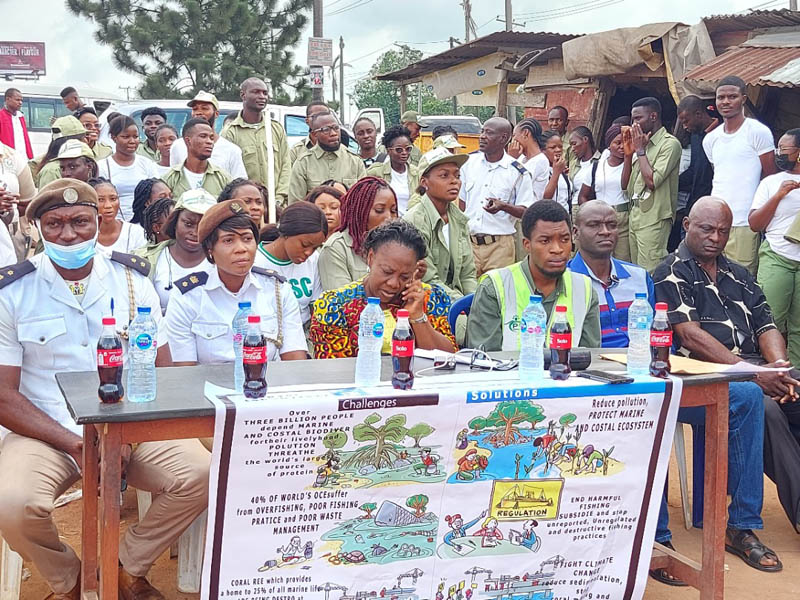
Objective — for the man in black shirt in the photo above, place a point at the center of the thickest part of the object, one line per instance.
(719, 314)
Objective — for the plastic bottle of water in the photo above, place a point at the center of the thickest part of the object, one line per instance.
(239, 327)
(531, 341)
(640, 316)
(142, 346)
(370, 341)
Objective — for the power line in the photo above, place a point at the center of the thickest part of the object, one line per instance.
(349, 7)
(597, 5)
(534, 13)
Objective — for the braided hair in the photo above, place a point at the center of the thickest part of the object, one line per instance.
(160, 208)
(356, 204)
(141, 196)
(533, 127)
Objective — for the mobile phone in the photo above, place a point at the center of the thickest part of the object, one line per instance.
(605, 377)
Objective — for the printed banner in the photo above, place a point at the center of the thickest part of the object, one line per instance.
(469, 486)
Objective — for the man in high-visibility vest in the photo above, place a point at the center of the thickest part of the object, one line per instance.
(502, 295)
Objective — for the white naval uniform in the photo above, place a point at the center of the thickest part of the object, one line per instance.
(201, 310)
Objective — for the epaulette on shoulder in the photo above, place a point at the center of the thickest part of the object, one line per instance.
(474, 152)
(137, 263)
(191, 281)
(518, 166)
(269, 273)
(12, 273)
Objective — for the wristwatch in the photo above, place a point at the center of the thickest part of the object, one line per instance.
(422, 319)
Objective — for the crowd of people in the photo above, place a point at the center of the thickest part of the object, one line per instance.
(192, 222)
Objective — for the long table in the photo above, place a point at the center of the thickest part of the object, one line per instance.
(181, 411)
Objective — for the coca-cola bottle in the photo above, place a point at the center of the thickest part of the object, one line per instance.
(402, 353)
(560, 345)
(660, 342)
(254, 359)
(109, 363)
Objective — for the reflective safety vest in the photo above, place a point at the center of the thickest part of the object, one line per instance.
(514, 292)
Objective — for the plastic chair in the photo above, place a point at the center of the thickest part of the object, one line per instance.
(462, 305)
(10, 572)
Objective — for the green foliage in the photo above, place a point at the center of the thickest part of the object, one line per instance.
(419, 431)
(368, 507)
(333, 440)
(508, 415)
(182, 46)
(419, 503)
(477, 424)
(567, 419)
(380, 453)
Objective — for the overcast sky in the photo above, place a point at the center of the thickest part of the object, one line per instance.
(369, 27)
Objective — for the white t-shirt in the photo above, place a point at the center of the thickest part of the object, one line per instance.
(584, 175)
(563, 191)
(168, 271)
(539, 168)
(226, 156)
(446, 233)
(785, 213)
(304, 278)
(399, 184)
(131, 237)
(125, 179)
(19, 134)
(737, 167)
(608, 183)
(195, 180)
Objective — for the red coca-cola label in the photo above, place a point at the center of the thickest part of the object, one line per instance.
(661, 338)
(402, 347)
(109, 358)
(254, 355)
(561, 341)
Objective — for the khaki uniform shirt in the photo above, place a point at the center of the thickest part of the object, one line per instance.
(144, 150)
(338, 263)
(416, 154)
(384, 171)
(450, 266)
(298, 149)
(664, 154)
(252, 139)
(485, 323)
(47, 174)
(102, 151)
(214, 180)
(319, 165)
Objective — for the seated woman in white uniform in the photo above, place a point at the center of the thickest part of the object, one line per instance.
(202, 305)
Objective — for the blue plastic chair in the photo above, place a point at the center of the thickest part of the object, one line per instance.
(462, 305)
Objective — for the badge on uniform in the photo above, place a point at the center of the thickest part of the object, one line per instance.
(70, 195)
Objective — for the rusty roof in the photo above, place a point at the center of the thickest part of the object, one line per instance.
(757, 19)
(754, 65)
(513, 41)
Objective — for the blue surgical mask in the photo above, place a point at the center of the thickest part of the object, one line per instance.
(70, 257)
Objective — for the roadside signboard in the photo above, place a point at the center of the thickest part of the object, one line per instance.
(316, 77)
(320, 52)
(22, 58)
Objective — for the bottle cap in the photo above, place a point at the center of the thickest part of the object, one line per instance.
(254, 319)
(641, 295)
(536, 299)
(143, 310)
(373, 300)
(109, 321)
(402, 313)
(662, 306)
(561, 308)
(244, 305)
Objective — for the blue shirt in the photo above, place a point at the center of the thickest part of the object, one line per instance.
(626, 281)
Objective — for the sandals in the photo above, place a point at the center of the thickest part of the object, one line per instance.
(749, 548)
(663, 576)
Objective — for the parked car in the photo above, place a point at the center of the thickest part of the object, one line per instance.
(468, 128)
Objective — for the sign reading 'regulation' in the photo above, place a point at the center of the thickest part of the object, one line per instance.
(467, 487)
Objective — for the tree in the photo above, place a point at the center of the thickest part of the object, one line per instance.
(380, 453)
(419, 503)
(182, 46)
(419, 431)
(477, 424)
(333, 440)
(368, 507)
(508, 416)
(565, 421)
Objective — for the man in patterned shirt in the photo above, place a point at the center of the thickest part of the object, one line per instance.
(719, 314)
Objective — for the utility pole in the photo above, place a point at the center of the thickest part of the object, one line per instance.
(467, 19)
(509, 17)
(419, 98)
(455, 100)
(792, 4)
(341, 79)
(317, 17)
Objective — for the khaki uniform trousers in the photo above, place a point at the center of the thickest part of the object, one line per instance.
(33, 474)
(622, 251)
(648, 240)
(494, 255)
(742, 247)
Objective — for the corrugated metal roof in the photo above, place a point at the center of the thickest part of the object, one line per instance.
(500, 40)
(757, 19)
(787, 76)
(751, 64)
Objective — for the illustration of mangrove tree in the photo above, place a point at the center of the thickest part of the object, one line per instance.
(419, 503)
(419, 431)
(380, 452)
(507, 417)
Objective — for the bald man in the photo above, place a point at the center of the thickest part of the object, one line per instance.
(719, 314)
(616, 282)
(248, 131)
(496, 190)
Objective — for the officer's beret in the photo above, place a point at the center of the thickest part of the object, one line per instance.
(217, 215)
(61, 192)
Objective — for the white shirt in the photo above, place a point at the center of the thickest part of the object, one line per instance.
(563, 190)
(19, 134)
(539, 167)
(12, 164)
(446, 234)
(45, 330)
(608, 183)
(198, 322)
(583, 176)
(125, 179)
(131, 237)
(481, 179)
(195, 180)
(399, 184)
(737, 167)
(304, 278)
(226, 156)
(784, 216)
(168, 271)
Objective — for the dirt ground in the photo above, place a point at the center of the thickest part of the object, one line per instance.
(741, 581)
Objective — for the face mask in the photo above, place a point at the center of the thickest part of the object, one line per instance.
(784, 163)
(70, 257)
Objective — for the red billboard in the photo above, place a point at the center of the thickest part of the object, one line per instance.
(25, 58)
